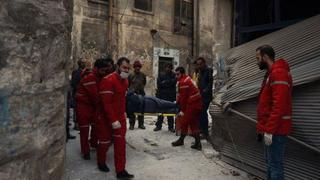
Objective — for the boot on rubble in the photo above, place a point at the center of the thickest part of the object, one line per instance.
(197, 144)
(103, 167)
(124, 175)
(180, 141)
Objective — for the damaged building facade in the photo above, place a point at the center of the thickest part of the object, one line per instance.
(40, 43)
(152, 31)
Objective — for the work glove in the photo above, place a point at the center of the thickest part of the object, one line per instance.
(267, 139)
(116, 125)
(181, 114)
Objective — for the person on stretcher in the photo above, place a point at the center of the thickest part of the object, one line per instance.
(148, 104)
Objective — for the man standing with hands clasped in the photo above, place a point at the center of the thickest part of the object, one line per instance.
(274, 109)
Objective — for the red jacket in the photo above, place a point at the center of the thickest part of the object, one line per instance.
(87, 91)
(113, 94)
(275, 108)
(188, 94)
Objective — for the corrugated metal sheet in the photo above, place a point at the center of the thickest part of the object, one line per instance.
(235, 136)
(305, 116)
(298, 44)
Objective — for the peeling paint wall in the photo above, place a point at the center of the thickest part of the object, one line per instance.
(89, 29)
(131, 36)
(134, 39)
(216, 21)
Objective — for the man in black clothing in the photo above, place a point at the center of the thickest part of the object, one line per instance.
(166, 84)
(204, 83)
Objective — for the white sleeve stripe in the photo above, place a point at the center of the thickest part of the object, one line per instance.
(183, 87)
(106, 92)
(104, 142)
(89, 83)
(280, 82)
(286, 117)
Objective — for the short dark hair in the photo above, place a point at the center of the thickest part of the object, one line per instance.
(180, 70)
(266, 49)
(80, 61)
(201, 59)
(103, 62)
(120, 60)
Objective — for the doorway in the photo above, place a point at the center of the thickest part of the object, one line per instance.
(162, 62)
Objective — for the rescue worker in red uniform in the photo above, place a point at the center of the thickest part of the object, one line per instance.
(112, 120)
(189, 100)
(87, 99)
(274, 109)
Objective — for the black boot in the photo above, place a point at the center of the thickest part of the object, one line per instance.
(179, 142)
(132, 121)
(141, 122)
(124, 175)
(157, 128)
(171, 130)
(103, 167)
(197, 144)
(86, 156)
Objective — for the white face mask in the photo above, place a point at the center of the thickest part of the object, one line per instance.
(124, 75)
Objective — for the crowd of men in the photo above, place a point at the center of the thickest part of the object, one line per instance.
(99, 98)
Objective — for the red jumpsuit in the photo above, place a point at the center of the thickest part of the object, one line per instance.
(112, 93)
(189, 100)
(87, 99)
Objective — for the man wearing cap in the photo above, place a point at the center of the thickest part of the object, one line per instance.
(137, 82)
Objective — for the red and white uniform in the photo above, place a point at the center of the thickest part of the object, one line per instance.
(112, 93)
(275, 108)
(189, 100)
(87, 99)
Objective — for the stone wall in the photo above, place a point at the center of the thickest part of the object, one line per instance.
(34, 57)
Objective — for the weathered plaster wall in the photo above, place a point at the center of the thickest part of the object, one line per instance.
(215, 28)
(134, 40)
(89, 31)
(35, 52)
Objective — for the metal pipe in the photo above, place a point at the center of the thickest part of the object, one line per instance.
(290, 137)
(109, 39)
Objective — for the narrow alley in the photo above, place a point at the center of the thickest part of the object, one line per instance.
(151, 156)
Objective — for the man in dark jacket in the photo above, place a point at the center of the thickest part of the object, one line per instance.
(137, 82)
(204, 83)
(166, 84)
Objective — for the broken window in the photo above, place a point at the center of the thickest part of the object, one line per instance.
(145, 5)
(183, 14)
